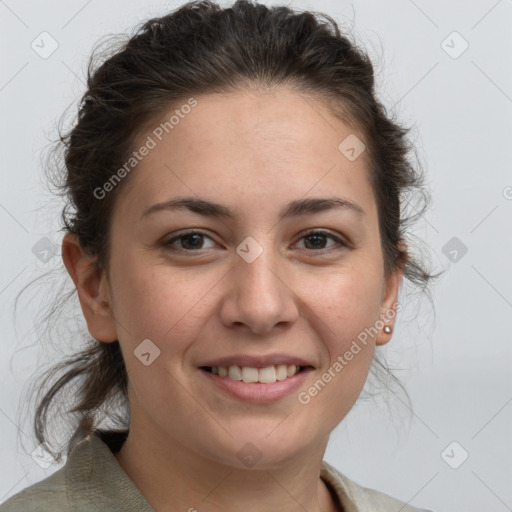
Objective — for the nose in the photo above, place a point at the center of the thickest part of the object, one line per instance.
(259, 296)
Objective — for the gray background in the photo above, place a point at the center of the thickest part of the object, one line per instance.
(456, 363)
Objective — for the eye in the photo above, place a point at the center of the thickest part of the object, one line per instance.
(317, 239)
(190, 241)
(193, 241)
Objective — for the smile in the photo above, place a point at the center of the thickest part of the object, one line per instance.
(267, 375)
(256, 385)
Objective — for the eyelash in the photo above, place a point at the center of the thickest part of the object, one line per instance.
(167, 244)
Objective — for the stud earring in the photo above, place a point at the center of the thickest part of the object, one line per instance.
(387, 329)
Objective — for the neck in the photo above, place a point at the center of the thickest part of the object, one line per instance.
(172, 477)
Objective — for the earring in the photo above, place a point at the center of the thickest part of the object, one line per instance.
(387, 329)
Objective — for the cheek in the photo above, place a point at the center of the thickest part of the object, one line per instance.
(346, 312)
(160, 304)
(152, 305)
(349, 302)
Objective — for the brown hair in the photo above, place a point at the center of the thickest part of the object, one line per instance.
(203, 48)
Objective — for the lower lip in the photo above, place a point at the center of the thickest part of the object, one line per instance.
(256, 392)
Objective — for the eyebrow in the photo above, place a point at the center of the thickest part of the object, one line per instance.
(293, 209)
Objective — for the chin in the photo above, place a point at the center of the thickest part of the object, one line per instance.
(258, 452)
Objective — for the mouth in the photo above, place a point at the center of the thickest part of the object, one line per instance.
(254, 375)
(256, 385)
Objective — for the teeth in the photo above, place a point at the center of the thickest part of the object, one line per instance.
(267, 375)
(235, 373)
(249, 374)
(281, 372)
(291, 370)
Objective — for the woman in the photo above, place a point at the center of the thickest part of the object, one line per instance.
(234, 235)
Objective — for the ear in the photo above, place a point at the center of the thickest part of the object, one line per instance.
(92, 288)
(389, 302)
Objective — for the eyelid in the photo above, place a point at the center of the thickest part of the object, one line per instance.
(167, 242)
(328, 234)
(340, 241)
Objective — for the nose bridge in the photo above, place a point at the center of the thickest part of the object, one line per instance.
(256, 269)
(258, 295)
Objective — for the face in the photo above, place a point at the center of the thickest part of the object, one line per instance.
(267, 280)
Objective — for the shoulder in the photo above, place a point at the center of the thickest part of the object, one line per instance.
(91, 479)
(48, 494)
(359, 498)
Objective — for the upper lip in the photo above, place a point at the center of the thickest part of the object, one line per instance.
(257, 361)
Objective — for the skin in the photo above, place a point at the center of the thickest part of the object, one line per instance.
(252, 151)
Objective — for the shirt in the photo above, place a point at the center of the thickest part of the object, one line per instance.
(93, 480)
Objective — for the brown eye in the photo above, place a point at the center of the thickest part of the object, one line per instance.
(191, 241)
(316, 240)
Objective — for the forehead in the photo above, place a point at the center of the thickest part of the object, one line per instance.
(251, 144)
(281, 121)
